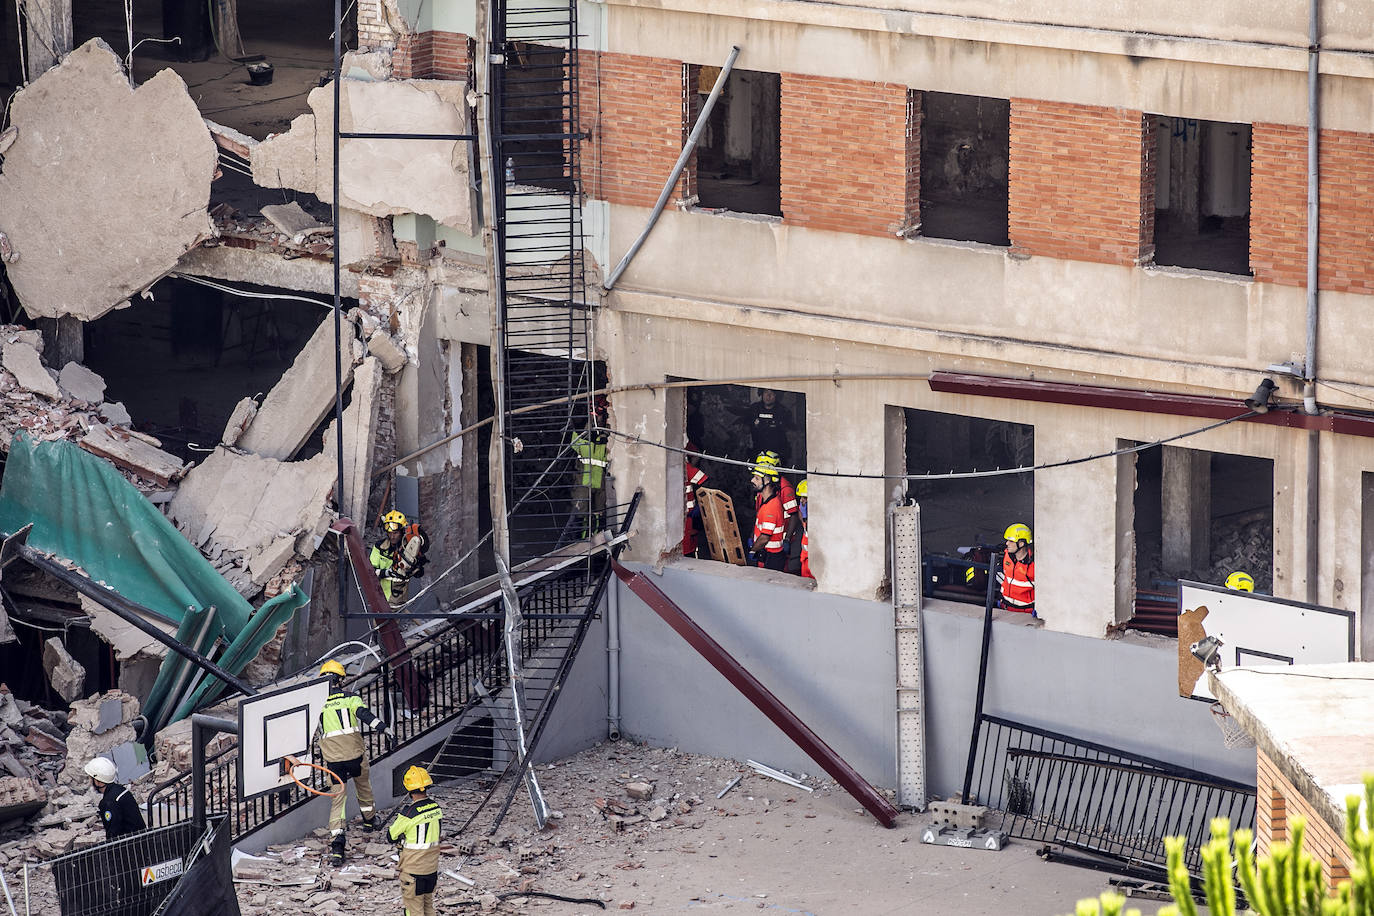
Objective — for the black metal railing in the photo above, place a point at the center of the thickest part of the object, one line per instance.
(1100, 800)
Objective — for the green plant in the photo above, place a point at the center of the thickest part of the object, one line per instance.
(1287, 882)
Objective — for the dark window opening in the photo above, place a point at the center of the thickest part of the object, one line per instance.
(539, 101)
(964, 149)
(1201, 515)
(736, 421)
(963, 520)
(182, 361)
(738, 160)
(1202, 194)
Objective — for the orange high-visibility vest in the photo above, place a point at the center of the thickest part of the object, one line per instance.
(769, 521)
(1018, 583)
(806, 554)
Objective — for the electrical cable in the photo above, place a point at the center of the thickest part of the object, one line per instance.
(1346, 390)
(249, 294)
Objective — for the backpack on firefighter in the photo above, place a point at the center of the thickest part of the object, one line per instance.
(414, 530)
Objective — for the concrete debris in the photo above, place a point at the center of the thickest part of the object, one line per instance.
(133, 452)
(31, 742)
(243, 414)
(66, 674)
(81, 384)
(7, 633)
(118, 174)
(84, 742)
(360, 437)
(295, 406)
(22, 361)
(292, 221)
(226, 138)
(387, 351)
(20, 797)
(114, 414)
(7, 138)
(379, 177)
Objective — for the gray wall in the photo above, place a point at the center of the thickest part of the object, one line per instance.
(831, 660)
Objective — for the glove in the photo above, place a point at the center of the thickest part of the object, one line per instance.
(750, 559)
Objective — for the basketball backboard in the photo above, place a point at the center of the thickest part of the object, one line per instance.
(1256, 630)
(273, 726)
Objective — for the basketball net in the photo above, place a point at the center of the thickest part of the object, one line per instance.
(1232, 734)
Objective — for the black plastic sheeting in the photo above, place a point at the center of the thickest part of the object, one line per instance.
(207, 888)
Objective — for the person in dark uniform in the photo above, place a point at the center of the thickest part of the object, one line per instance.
(118, 808)
(769, 424)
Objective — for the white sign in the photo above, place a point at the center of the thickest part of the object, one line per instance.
(163, 871)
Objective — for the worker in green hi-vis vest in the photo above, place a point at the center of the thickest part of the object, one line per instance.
(589, 487)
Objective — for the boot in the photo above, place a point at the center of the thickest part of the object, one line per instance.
(369, 822)
(336, 850)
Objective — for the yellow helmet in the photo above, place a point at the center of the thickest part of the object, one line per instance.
(1018, 532)
(766, 471)
(334, 668)
(393, 521)
(416, 778)
(768, 458)
(1240, 581)
(801, 488)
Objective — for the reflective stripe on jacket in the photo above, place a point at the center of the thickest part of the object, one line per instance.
(341, 737)
(769, 521)
(806, 554)
(416, 830)
(591, 454)
(1018, 582)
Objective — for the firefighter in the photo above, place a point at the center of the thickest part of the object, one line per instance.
(416, 831)
(765, 549)
(769, 423)
(788, 496)
(118, 808)
(398, 556)
(692, 477)
(806, 531)
(341, 746)
(589, 490)
(1018, 570)
(1240, 581)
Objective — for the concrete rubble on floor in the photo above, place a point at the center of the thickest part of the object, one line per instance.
(119, 175)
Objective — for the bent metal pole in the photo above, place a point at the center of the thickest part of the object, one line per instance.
(686, 154)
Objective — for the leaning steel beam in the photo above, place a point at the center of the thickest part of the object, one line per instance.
(15, 547)
(759, 695)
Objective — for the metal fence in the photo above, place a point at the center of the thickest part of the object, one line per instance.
(130, 876)
(1100, 800)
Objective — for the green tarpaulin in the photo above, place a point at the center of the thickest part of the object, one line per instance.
(83, 510)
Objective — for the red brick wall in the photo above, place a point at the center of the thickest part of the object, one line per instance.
(631, 109)
(1077, 185)
(433, 56)
(847, 155)
(1278, 208)
(1277, 801)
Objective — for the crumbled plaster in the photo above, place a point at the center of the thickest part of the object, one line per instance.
(104, 187)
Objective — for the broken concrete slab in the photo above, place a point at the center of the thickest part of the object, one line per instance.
(20, 797)
(295, 406)
(291, 220)
(270, 560)
(66, 674)
(133, 453)
(21, 361)
(379, 177)
(81, 383)
(244, 412)
(359, 438)
(118, 177)
(115, 414)
(380, 345)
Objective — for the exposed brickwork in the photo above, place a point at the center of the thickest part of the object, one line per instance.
(631, 109)
(374, 29)
(1077, 185)
(1278, 208)
(846, 155)
(1277, 802)
(433, 55)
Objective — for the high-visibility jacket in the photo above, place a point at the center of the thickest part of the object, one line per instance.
(416, 830)
(769, 520)
(693, 477)
(806, 553)
(341, 726)
(1018, 582)
(591, 455)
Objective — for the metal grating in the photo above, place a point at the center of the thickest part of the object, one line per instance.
(906, 609)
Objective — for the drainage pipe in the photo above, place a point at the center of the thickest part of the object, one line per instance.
(686, 154)
(1309, 388)
(613, 662)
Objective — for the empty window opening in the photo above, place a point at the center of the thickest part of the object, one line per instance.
(737, 159)
(1201, 515)
(739, 422)
(963, 520)
(539, 100)
(181, 362)
(964, 149)
(1202, 194)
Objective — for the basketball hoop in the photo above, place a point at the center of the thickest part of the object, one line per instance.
(289, 765)
(1232, 734)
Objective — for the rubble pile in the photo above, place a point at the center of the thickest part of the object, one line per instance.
(1246, 545)
(46, 404)
(33, 746)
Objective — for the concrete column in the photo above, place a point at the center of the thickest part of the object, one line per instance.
(1187, 504)
(63, 341)
(646, 468)
(848, 518)
(1125, 536)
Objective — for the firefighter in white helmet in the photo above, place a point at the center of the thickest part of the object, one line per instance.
(118, 808)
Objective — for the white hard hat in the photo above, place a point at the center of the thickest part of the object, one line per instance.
(101, 769)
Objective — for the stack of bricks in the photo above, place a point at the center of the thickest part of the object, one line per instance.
(1080, 182)
(851, 155)
(1278, 208)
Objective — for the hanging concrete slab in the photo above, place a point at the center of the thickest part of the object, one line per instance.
(104, 187)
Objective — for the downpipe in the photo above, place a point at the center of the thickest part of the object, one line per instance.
(613, 661)
(1309, 389)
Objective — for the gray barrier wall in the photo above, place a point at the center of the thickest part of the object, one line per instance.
(832, 660)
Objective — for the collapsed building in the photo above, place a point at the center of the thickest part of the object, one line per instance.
(1063, 242)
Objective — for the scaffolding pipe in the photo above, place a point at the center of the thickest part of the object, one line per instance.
(1309, 388)
(686, 154)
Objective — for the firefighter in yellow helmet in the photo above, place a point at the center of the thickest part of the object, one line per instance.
(1018, 570)
(416, 831)
(398, 556)
(1240, 581)
(345, 755)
